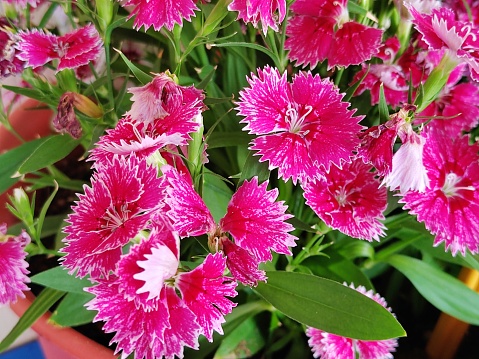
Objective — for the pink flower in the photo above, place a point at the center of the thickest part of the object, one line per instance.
(159, 13)
(10, 64)
(22, 4)
(331, 346)
(390, 76)
(441, 30)
(74, 49)
(162, 97)
(408, 171)
(13, 274)
(349, 200)
(204, 290)
(300, 126)
(141, 303)
(260, 10)
(255, 221)
(450, 207)
(123, 195)
(377, 143)
(320, 30)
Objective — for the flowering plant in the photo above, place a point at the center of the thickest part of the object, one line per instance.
(257, 170)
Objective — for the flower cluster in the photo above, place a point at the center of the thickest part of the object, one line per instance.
(227, 140)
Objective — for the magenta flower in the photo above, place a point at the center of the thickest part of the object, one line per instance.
(10, 64)
(441, 30)
(331, 346)
(123, 195)
(450, 207)
(204, 290)
(255, 221)
(350, 200)
(254, 11)
(300, 126)
(142, 305)
(377, 143)
(159, 13)
(74, 49)
(13, 275)
(320, 30)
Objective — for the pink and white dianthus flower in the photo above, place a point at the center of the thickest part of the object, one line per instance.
(254, 220)
(320, 30)
(254, 11)
(123, 194)
(162, 97)
(142, 306)
(408, 171)
(74, 49)
(349, 200)
(13, 275)
(450, 207)
(10, 64)
(300, 126)
(331, 346)
(441, 30)
(160, 13)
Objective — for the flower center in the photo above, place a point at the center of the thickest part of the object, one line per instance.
(450, 187)
(343, 17)
(115, 218)
(341, 196)
(295, 120)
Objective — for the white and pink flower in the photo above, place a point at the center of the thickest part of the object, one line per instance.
(450, 207)
(269, 12)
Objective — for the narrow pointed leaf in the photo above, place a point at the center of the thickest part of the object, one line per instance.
(58, 278)
(42, 303)
(442, 290)
(329, 306)
(142, 76)
(53, 149)
(72, 312)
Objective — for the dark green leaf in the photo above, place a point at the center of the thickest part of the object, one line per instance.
(243, 342)
(42, 303)
(228, 139)
(445, 292)
(383, 106)
(143, 77)
(53, 149)
(58, 278)
(72, 312)
(12, 160)
(329, 306)
(253, 167)
(216, 195)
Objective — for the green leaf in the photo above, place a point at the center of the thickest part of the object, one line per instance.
(216, 195)
(142, 76)
(253, 167)
(243, 342)
(228, 139)
(442, 290)
(58, 278)
(383, 106)
(53, 149)
(12, 160)
(72, 312)
(329, 306)
(42, 303)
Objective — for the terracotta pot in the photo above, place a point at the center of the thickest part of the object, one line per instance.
(61, 343)
(32, 120)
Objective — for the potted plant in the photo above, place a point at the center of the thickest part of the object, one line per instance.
(244, 179)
